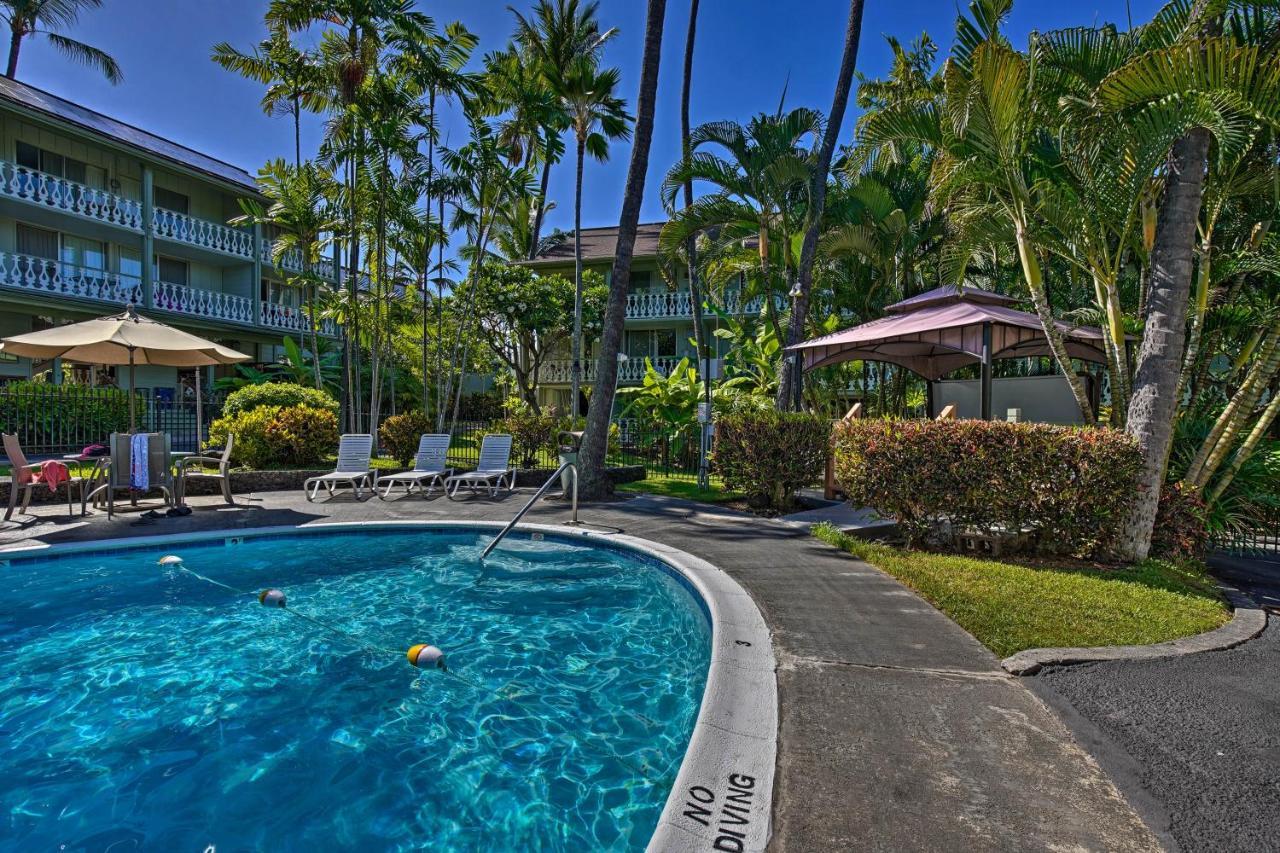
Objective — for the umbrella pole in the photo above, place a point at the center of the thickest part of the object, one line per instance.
(199, 413)
(132, 417)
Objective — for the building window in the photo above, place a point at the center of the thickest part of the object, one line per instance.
(664, 342)
(83, 253)
(651, 343)
(130, 263)
(172, 270)
(39, 242)
(640, 281)
(170, 200)
(58, 165)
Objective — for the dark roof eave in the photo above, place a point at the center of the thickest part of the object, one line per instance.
(248, 185)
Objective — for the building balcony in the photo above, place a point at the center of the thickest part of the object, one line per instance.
(678, 305)
(44, 277)
(203, 234)
(630, 372)
(291, 261)
(49, 191)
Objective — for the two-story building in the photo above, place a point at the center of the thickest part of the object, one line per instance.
(96, 214)
(659, 319)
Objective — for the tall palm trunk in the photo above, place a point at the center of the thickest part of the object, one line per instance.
(595, 444)
(1034, 278)
(540, 213)
(440, 317)
(690, 249)
(576, 376)
(1155, 380)
(297, 130)
(15, 47)
(426, 249)
(817, 199)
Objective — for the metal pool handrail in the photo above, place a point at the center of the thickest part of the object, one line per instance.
(567, 466)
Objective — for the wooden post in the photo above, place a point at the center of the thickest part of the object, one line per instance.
(830, 490)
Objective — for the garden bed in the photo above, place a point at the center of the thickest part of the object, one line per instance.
(1012, 605)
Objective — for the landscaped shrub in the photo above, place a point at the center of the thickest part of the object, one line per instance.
(1180, 532)
(270, 436)
(769, 454)
(483, 406)
(277, 394)
(401, 434)
(250, 448)
(302, 435)
(531, 433)
(1068, 489)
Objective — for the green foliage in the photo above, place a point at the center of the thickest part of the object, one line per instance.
(296, 365)
(276, 394)
(249, 427)
(402, 433)
(277, 435)
(41, 413)
(517, 300)
(302, 435)
(768, 454)
(1010, 607)
(1180, 531)
(532, 434)
(1068, 489)
(672, 399)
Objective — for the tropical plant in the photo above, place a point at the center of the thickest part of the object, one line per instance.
(770, 455)
(276, 395)
(293, 78)
(48, 18)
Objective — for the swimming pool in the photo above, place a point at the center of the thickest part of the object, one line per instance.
(148, 707)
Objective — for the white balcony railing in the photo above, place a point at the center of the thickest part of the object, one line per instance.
(206, 304)
(559, 371)
(665, 305)
(55, 278)
(68, 196)
(289, 319)
(201, 232)
(292, 261)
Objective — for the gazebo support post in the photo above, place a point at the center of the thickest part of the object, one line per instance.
(986, 371)
(928, 399)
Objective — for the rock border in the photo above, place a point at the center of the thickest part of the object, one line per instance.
(722, 796)
(1247, 622)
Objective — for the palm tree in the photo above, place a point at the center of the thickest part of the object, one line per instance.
(984, 129)
(304, 222)
(690, 246)
(758, 192)
(292, 77)
(595, 480)
(555, 35)
(45, 17)
(596, 116)
(817, 196)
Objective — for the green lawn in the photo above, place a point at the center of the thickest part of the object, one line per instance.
(672, 487)
(1009, 607)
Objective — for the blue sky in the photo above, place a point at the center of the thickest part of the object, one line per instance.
(747, 50)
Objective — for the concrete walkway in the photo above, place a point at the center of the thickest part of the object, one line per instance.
(898, 731)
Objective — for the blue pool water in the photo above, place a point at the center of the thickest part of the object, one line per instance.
(144, 708)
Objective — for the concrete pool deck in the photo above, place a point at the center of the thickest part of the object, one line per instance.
(897, 730)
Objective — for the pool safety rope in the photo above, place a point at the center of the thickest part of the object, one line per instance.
(421, 655)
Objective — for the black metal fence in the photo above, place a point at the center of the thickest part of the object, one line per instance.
(1254, 542)
(52, 420)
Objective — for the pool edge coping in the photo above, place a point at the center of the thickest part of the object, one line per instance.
(723, 791)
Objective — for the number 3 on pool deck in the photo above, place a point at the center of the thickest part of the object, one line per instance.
(741, 642)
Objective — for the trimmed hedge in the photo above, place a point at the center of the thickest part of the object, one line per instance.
(401, 434)
(281, 394)
(768, 455)
(277, 435)
(1069, 489)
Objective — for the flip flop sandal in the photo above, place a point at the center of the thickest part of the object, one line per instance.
(178, 511)
(151, 513)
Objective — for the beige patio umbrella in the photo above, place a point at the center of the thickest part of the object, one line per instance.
(126, 338)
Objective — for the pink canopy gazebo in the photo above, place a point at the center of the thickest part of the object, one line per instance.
(947, 328)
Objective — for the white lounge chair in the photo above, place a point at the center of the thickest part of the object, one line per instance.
(429, 468)
(493, 471)
(353, 469)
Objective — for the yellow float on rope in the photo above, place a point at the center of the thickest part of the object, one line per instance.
(425, 656)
